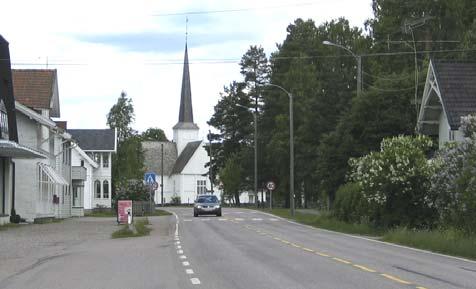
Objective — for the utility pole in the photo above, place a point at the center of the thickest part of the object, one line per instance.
(210, 167)
(255, 120)
(162, 175)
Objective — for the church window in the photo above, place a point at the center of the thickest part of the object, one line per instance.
(97, 189)
(105, 189)
(201, 187)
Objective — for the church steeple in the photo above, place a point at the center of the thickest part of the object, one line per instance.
(186, 111)
(185, 130)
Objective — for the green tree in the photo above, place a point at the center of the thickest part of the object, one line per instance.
(127, 162)
(121, 116)
(154, 134)
(230, 177)
(234, 124)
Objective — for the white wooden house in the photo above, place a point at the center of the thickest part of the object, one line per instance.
(449, 94)
(92, 168)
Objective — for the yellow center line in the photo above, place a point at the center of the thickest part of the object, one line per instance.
(322, 254)
(285, 242)
(419, 287)
(278, 239)
(295, 245)
(365, 268)
(341, 260)
(393, 278)
(309, 250)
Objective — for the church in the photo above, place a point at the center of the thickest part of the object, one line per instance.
(179, 165)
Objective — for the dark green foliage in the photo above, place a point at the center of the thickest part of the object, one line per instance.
(154, 134)
(121, 117)
(128, 161)
(230, 176)
(350, 204)
(175, 200)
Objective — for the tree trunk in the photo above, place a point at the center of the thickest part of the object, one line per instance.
(237, 199)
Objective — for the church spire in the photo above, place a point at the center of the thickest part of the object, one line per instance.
(186, 111)
(185, 120)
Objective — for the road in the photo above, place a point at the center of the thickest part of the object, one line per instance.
(243, 249)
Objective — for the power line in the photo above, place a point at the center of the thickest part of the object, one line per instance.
(233, 10)
(237, 60)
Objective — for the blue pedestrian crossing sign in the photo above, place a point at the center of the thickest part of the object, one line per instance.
(149, 178)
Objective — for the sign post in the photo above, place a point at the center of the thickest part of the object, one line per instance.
(149, 179)
(124, 212)
(271, 186)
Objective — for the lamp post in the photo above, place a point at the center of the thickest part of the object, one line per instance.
(255, 121)
(358, 58)
(210, 167)
(291, 146)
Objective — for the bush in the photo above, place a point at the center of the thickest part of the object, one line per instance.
(134, 190)
(350, 204)
(175, 200)
(454, 185)
(395, 182)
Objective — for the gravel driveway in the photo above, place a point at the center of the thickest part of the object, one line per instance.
(29, 245)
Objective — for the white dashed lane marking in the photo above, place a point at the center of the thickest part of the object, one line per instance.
(186, 263)
(179, 251)
(189, 271)
(183, 257)
(195, 281)
(257, 219)
(239, 219)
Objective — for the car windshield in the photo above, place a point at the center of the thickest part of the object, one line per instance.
(207, 199)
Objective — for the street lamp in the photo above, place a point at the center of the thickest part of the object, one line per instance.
(359, 63)
(255, 113)
(291, 147)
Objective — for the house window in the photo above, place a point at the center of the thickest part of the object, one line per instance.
(97, 158)
(451, 135)
(105, 160)
(201, 187)
(97, 189)
(3, 122)
(105, 190)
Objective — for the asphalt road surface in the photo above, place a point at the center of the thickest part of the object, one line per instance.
(243, 249)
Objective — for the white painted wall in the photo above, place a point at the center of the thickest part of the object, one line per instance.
(27, 194)
(102, 174)
(184, 136)
(444, 131)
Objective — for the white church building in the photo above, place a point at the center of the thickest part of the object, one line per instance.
(181, 162)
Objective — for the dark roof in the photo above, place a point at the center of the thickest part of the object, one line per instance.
(457, 84)
(35, 87)
(95, 139)
(185, 156)
(186, 110)
(153, 156)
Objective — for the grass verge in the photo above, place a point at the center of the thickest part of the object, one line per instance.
(141, 229)
(111, 213)
(448, 241)
(8, 226)
(325, 221)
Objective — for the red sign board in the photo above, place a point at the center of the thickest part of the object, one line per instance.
(124, 209)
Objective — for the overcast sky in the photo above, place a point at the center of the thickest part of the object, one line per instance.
(101, 48)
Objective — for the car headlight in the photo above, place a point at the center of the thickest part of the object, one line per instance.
(217, 207)
(199, 207)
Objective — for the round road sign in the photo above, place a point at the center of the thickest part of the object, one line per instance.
(155, 185)
(270, 185)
